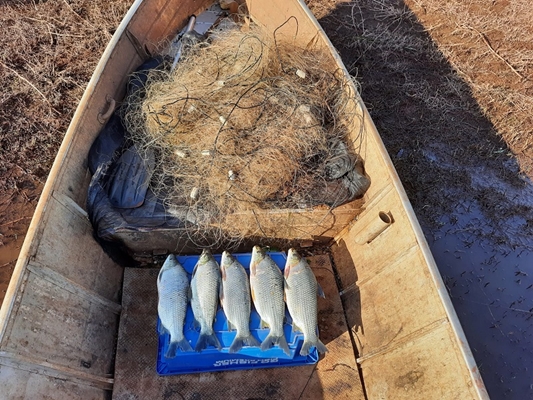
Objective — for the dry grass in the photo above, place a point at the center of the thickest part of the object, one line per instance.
(490, 45)
(48, 51)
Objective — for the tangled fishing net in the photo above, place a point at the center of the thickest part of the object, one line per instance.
(247, 123)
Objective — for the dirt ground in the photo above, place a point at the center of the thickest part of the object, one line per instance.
(48, 51)
(449, 87)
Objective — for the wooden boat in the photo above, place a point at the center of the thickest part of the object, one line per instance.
(389, 325)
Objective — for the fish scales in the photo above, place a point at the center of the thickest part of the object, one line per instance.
(172, 289)
(236, 302)
(301, 290)
(204, 299)
(266, 283)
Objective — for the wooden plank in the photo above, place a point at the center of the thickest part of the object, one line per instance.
(55, 326)
(382, 314)
(72, 183)
(385, 248)
(17, 384)
(69, 203)
(276, 226)
(414, 370)
(68, 248)
(288, 19)
(41, 367)
(335, 376)
(318, 222)
(162, 19)
(72, 287)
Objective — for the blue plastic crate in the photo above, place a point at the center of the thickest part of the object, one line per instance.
(211, 359)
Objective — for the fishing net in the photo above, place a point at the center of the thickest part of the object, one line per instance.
(247, 123)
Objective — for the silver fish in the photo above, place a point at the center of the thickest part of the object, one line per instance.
(266, 283)
(204, 299)
(235, 299)
(301, 290)
(173, 289)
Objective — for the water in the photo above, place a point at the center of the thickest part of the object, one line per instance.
(490, 282)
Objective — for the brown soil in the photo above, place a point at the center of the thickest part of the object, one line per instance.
(448, 84)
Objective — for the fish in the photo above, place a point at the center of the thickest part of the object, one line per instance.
(266, 283)
(173, 293)
(205, 284)
(236, 302)
(301, 289)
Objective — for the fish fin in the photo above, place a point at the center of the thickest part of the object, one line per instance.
(286, 285)
(320, 291)
(221, 295)
(171, 351)
(241, 341)
(268, 342)
(184, 345)
(230, 326)
(162, 330)
(321, 347)
(223, 272)
(263, 324)
(282, 343)
(271, 340)
(205, 340)
(287, 271)
(306, 347)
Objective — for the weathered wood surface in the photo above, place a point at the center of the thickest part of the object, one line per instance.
(401, 327)
(17, 384)
(55, 325)
(334, 377)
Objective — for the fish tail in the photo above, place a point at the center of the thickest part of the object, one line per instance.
(171, 351)
(271, 340)
(282, 343)
(206, 339)
(240, 341)
(182, 344)
(306, 347)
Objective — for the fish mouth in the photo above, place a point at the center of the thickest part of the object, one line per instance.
(258, 255)
(205, 256)
(227, 258)
(293, 257)
(258, 252)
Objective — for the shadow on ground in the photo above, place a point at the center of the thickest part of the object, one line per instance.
(465, 186)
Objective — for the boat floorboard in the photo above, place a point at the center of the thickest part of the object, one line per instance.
(334, 377)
